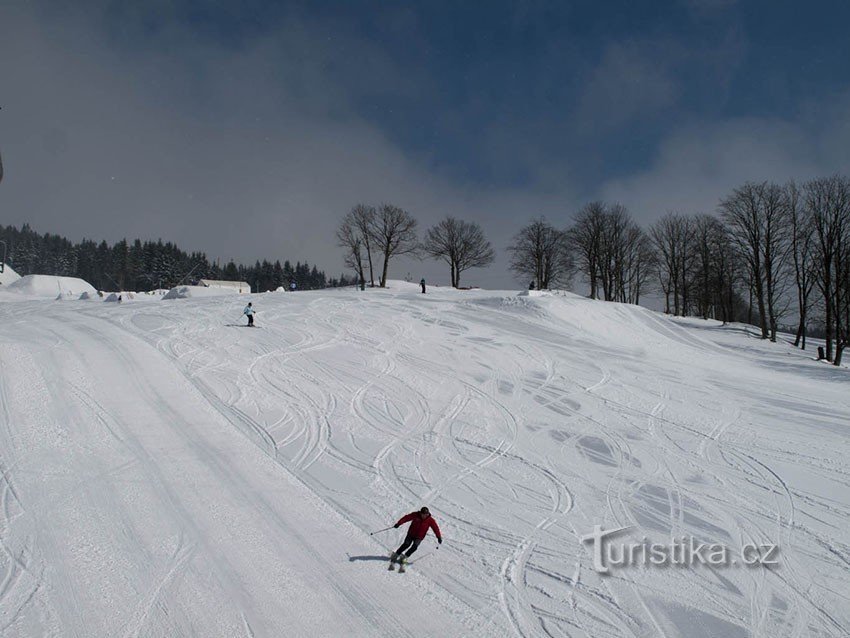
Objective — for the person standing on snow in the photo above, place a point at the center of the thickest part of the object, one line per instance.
(249, 312)
(420, 523)
(422, 283)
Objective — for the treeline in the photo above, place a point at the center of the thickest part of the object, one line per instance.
(773, 251)
(139, 265)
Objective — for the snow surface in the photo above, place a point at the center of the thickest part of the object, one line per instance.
(50, 287)
(8, 276)
(165, 473)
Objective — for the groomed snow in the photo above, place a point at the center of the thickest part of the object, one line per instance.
(166, 473)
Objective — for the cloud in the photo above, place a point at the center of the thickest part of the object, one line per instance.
(629, 82)
(252, 148)
(703, 161)
(248, 152)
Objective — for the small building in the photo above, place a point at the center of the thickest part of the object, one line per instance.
(239, 286)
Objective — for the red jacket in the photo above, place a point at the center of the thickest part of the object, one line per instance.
(419, 526)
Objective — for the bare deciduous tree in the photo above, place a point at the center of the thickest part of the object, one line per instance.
(362, 218)
(393, 232)
(775, 250)
(585, 238)
(757, 218)
(673, 239)
(640, 262)
(802, 249)
(542, 252)
(349, 238)
(827, 204)
(461, 244)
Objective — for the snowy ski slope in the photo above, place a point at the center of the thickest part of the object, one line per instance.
(165, 473)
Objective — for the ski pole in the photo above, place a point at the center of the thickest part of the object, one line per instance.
(380, 530)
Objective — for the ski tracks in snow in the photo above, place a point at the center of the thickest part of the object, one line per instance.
(521, 430)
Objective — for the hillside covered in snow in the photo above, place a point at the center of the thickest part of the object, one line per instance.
(168, 472)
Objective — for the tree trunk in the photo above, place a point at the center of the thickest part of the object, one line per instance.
(828, 319)
(801, 303)
(384, 273)
(750, 306)
(371, 269)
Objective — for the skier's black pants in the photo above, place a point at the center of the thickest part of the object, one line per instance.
(412, 543)
(250, 320)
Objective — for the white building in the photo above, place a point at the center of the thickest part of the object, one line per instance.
(240, 286)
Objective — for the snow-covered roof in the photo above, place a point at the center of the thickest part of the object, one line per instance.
(186, 292)
(243, 286)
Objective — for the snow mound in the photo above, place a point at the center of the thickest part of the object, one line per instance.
(8, 276)
(189, 292)
(51, 287)
(87, 296)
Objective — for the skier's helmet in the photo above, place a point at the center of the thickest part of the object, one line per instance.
(425, 511)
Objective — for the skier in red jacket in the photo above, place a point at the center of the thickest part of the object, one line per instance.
(420, 523)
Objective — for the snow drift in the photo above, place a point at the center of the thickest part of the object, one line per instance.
(8, 276)
(51, 287)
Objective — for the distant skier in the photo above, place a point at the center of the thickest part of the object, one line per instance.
(292, 286)
(420, 523)
(249, 312)
(422, 283)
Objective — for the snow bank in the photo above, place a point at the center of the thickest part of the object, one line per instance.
(189, 292)
(51, 287)
(8, 276)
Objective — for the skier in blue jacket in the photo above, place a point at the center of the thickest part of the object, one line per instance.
(249, 312)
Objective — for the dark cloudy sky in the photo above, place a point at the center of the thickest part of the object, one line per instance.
(246, 129)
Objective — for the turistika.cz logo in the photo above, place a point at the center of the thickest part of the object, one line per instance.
(680, 551)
